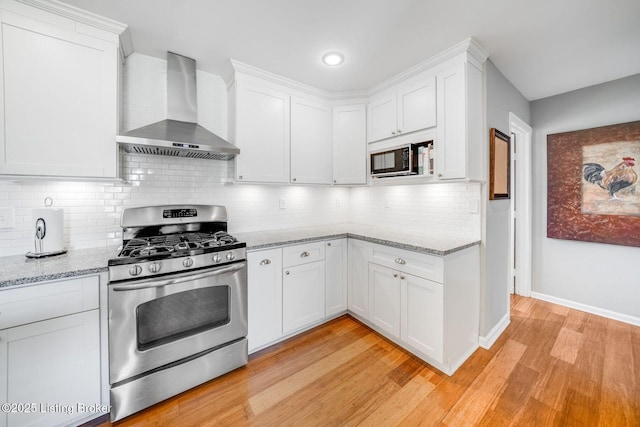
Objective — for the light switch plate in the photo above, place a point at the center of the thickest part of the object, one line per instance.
(6, 218)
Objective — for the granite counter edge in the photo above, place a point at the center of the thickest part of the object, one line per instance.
(53, 276)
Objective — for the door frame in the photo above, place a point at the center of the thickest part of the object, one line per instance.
(522, 202)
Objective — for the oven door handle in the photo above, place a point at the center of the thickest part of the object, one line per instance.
(185, 278)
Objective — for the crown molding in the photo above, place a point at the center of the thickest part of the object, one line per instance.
(469, 46)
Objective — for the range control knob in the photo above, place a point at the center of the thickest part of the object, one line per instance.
(231, 256)
(187, 262)
(216, 258)
(134, 270)
(154, 267)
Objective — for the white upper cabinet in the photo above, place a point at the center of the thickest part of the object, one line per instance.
(59, 89)
(459, 140)
(311, 145)
(407, 107)
(261, 129)
(350, 144)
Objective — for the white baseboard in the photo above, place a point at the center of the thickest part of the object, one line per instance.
(588, 308)
(487, 341)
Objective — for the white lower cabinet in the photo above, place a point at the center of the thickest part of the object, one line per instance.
(53, 365)
(336, 276)
(303, 295)
(358, 282)
(384, 298)
(422, 321)
(264, 269)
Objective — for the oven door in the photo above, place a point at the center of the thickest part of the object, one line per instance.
(154, 322)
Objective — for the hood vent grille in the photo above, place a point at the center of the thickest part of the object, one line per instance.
(160, 151)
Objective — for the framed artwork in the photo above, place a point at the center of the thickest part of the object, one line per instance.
(499, 165)
(592, 185)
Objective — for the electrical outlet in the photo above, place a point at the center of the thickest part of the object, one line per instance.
(283, 204)
(338, 202)
(6, 218)
(474, 206)
(387, 203)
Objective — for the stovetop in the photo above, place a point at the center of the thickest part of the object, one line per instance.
(176, 243)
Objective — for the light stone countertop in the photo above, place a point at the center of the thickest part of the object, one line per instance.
(19, 270)
(434, 245)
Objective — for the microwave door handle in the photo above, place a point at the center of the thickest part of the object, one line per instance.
(186, 278)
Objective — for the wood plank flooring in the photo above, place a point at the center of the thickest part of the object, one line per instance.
(553, 366)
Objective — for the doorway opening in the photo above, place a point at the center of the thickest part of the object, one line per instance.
(520, 244)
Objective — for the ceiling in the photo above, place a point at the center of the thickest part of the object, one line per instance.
(543, 47)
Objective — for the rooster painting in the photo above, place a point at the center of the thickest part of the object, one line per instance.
(614, 180)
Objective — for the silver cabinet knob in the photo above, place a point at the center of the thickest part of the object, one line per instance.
(328, 243)
(395, 274)
(134, 270)
(287, 272)
(439, 175)
(240, 177)
(399, 131)
(393, 133)
(294, 179)
(304, 254)
(265, 261)
(231, 256)
(155, 267)
(402, 277)
(335, 182)
(187, 262)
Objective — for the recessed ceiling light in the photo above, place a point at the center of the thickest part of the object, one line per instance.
(333, 58)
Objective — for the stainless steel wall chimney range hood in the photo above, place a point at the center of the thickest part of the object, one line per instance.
(179, 135)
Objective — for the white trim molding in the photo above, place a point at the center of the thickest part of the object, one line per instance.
(487, 341)
(632, 320)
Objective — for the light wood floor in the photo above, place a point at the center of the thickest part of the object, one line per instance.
(552, 366)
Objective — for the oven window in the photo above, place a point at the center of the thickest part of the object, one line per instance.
(180, 315)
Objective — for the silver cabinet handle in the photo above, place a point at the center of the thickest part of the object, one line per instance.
(304, 254)
(265, 261)
(400, 261)
(287, 272)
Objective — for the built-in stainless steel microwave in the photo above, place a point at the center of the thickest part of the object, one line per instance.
(397, 161)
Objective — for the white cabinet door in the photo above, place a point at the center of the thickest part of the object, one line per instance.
(423, 316)
(417, 105)
(51, 362)
(451, 143)
(382, 117)
(262, 132)
(311, 145)
(350, 144)
(264, 272)
(358, 279)
(59, 92)
(336, 276)
(303, 295)
(384, 298)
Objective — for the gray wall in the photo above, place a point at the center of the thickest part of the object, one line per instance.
(603, 276)
(502, 98)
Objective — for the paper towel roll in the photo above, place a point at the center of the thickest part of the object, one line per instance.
(48, 223)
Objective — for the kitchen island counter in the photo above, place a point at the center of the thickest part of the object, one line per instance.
(429, 244)
(20, 270)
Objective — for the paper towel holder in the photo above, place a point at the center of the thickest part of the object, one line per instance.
(40, 233)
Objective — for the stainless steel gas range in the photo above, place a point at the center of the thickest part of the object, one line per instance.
(177, 304)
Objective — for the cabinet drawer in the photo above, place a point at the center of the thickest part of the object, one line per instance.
(302, 254)
(422, 265)
(45, 301)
